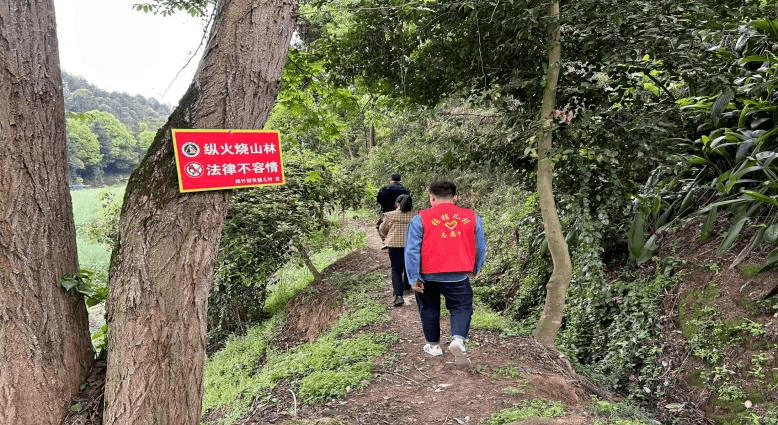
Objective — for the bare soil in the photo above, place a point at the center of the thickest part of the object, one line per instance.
(411, 387)
(703, 268)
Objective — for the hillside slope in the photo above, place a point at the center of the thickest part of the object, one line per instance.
(720, 332)
(410, 386)
(720, 336)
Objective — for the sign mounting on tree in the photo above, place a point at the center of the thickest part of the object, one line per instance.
(227, 159)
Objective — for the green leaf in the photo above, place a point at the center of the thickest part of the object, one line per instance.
(767, 26)
(730, 202)
(635, 236)
(76, 408)
(760, 197)
(770, 261)
(743, 115)
(313, 177)
(98, 295)
(749, 59)
(771, 233)
(732, 235)
(687, 202)
(696, 160)
(743, 149)
(705, 232)
(720, 105)
(649, 249)
(69, 282)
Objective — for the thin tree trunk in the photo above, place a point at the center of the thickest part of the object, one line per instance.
(370, 138)
(556, 289)
(163, 268)
(45, 349)
(307, 261)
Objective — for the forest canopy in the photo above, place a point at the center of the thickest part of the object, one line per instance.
(107, 132)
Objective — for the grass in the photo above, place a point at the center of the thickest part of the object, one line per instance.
(732, 380)
(527, 409)
(293, 279)
(341, 360)
(86, 206)
(361, 214)
(92, 255)
(485, 318)
(619, 413)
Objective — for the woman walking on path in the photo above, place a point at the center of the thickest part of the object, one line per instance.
(393, 230)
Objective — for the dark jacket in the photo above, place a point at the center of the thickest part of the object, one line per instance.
(388, 194)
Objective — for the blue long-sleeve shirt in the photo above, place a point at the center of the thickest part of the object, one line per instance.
(413, 254)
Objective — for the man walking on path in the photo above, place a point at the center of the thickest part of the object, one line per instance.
(387, 196)
(445, 244)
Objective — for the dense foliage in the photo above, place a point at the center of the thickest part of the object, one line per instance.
(730, 165)
(270, 226)
(665, 108)
(132, 111)
(107, 132)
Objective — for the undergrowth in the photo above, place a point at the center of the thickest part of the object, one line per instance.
(614, 330)
(619, 413)
(611, 328)
(739, 383)
(249, 367)
(527, 409)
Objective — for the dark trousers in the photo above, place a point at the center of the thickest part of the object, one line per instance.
(399, 278)
(459, 302)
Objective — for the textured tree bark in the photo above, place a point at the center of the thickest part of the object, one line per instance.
(162, 270)
(556, 289)
(45, 348)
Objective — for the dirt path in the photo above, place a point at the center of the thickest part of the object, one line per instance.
(413, 387)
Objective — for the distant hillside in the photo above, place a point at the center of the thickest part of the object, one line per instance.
(82, 96)
(107, 132)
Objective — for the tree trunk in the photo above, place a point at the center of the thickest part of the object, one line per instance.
(556, 289)
(45, 349)
(163, 268)
(370, 138)
(307, 261)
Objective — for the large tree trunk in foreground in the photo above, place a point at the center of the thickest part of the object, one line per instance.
(162, 271)
(45, 349)
(556, 289)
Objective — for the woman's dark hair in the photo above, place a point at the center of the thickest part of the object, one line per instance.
(404, 202)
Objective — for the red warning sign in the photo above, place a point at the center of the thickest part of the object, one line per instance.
(227, 159)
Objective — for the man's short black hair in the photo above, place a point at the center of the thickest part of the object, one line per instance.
(395, 177)
(443, 189)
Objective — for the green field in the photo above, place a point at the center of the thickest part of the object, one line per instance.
(92, 255)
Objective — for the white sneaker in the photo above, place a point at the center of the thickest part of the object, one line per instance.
(457, 348)
(433, 350)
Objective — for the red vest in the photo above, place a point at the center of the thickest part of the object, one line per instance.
(448, 239)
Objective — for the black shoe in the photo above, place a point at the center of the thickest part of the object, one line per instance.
(398, 300)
